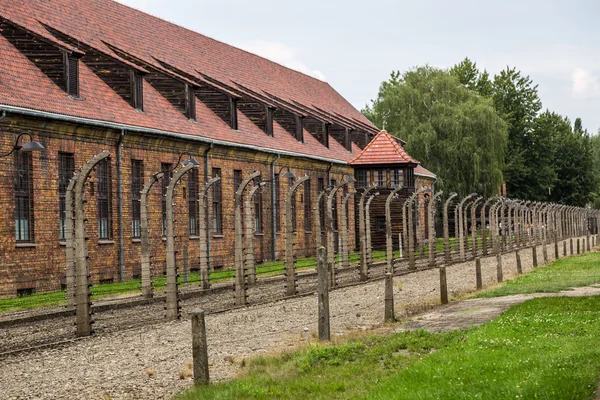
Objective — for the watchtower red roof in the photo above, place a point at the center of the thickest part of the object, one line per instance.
(384, 149)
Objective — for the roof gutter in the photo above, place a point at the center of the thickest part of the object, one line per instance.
(133, 128)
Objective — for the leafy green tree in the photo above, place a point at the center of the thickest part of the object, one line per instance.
(516, 100)
(576, 183)
(469, 75)
(452, 130)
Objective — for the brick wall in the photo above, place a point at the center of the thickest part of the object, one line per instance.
(40, 265)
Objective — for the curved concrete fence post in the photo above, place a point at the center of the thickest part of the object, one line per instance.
(447, 257)
(147, 288)
(70, 241)
(389, 249)
(172, 285)
(83, 309)
(202, 223)
(290, 268)
(431, 229)
(240, 273)
(362, 231)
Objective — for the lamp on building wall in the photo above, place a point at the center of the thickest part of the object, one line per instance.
(190, 160)
(29, 146)
(348, 178)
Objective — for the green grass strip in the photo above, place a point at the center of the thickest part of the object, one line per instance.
(545, 348)
(563, 274)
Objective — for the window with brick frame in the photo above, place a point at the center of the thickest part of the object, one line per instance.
(167, 170)
(380, 224)
(217, 203)
(307, 207)
(193, 202)
(104, 197)
(66, 166)
(137, 184)
(24, 221)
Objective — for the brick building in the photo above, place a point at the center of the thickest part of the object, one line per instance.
(82, 76)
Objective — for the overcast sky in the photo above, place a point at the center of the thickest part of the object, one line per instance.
(354, 45)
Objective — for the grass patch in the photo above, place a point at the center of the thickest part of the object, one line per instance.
(134, 286)
(544, 348)
(563, 274)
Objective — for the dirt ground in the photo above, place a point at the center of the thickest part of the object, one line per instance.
(150, 362)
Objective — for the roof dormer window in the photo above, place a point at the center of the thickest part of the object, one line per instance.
(137, 90)
(72, 75)
(190, 102)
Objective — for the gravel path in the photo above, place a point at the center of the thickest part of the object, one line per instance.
(150, 362)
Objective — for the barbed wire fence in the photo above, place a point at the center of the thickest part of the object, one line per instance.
(476, 227)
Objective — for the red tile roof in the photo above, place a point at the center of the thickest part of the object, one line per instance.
(97, 23)
(419, 170)
(383, 149)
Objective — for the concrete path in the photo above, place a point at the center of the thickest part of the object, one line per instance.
(468, 313)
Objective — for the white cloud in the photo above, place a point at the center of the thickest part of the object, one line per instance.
(585, 83)
(280, 53)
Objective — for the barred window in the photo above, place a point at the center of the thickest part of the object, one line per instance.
(23, 197)
(167, 170)
(66, 166)
(397, 177)
(137, 182)
(381, 178)
(307, 207)
(103, 194)
(217, 205)
(361, 178)
(193, 201)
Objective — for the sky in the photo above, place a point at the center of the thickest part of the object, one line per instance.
(355, 45)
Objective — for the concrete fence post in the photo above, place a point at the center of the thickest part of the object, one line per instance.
(240, 273)
(483, 217)
(290, 267)
(478, 276)
(323, 295)
(461, 216)
(70, 241)
(249, 212)
(499, 271)
(518, 259)
(345, 250)
(389, 298)
(362, 232)
(389, 247)
(202, 224)
(474, 226)
(447, 256)
(330, 229)
(443, 285)
(431, 228)
(185, 265)
(199, 349)
(368, 227)
(172, 284)
(83, 309)
(147, 288)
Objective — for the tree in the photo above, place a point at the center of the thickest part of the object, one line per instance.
(469, 75)
(576, 182)
(516, 100)
(452, 130)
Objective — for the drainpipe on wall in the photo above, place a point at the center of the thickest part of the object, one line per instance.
(273, 210)
(208, 208)
(120, 200)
